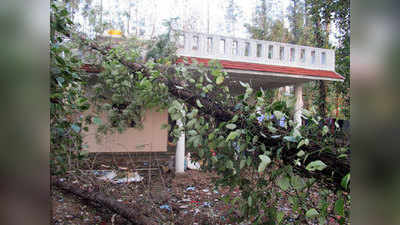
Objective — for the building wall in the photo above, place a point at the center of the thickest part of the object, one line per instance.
(149, 139)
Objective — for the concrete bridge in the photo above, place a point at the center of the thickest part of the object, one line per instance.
(264, 64)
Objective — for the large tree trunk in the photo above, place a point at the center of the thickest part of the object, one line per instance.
(134, 214)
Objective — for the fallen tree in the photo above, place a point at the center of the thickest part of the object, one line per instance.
(223, 110)
(249, 143)
(133, 213)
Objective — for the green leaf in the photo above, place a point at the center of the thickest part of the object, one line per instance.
(219, 80)
(231, 126)
(201, 153)
(278, 115)
(199, 103)
(242, 163)
(279, 216)
(255, 139)
(312, 213)
(60, 81)
(248, 161)
(325, 130)
(271, 128)
(265, 160)
(300, 153)
(316, 165)
(290, 139)
(250, 201)
(232, 135)
(97, 121)
(301, 143)
(339, 207)
(192, 132)
(345, 181)
(84, 153)
(297, 182)
(283, 182)
(235, 118)
(229, 164)
(261, 167)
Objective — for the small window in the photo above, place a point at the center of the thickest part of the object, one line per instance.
(323, 58)
(313, 57)
(195, 43)
(235, 48)
(247, 49)
(281, 53)
(292, 54)
(270, 51)
(222, 46)
(259, 50)
(303, 55)
(209, 44)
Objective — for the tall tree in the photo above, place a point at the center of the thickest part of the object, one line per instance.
(320, 13)
(233, 13)
(261, 22)
(342, 22)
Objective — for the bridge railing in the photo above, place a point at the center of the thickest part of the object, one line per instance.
(254, 51)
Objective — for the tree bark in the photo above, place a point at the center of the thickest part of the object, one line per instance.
(134, 214)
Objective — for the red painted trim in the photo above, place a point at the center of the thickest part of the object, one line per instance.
(268, 68)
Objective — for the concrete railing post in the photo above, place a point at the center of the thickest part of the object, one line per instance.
(298, 108)
(215, 53)
(180, 152)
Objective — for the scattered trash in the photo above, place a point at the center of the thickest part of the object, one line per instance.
(186, 200)
(216, 192)
(123, 168)
(184, 206)
(62, 179)
(132, 177)
(207, 204)
(196, 211)
(165, 207)
(107, 175)
(190, 188)
(192, 165)
(113, 219)
(105, 166)
(195, 202)
(205, 190)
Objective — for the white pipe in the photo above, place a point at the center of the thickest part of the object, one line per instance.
(180, 151)
(298, 108)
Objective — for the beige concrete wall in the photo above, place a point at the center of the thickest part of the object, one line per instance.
(149, 139)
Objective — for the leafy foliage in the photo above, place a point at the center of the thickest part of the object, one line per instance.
(67, 99)
(247, 139)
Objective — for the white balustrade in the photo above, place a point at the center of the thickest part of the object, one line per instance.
(254, 51)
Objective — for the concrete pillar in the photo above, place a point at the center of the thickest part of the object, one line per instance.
(298, 108)
(180, 152)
